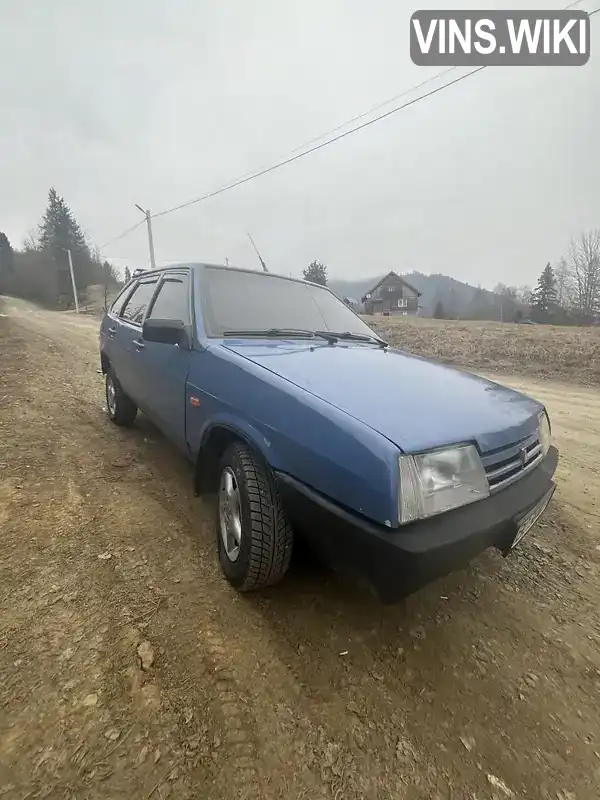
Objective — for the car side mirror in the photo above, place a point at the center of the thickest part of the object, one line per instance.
(166, 331)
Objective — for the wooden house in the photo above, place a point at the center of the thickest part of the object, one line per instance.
(392, 296)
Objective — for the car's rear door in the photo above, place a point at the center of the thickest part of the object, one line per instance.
(110, 325)
(164, 367)
(128, 345)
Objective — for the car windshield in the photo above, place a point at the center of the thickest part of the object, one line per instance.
(256, 301)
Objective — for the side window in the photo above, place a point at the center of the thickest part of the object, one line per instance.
(119, 302)
(135, 307)
(172, 300)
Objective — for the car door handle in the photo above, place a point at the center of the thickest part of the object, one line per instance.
(139, 345)
(112, 332)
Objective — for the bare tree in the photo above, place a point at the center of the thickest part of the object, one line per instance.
(523, 294)
(584, 265)
(565, 286)
(507, 302)
(30, 241)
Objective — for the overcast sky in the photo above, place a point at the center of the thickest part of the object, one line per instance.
(139, 101)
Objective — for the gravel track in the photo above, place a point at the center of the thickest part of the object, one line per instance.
(484, 685)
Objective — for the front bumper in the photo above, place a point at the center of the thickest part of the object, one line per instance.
(398, 561)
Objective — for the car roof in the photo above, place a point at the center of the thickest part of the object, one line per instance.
(203, 265)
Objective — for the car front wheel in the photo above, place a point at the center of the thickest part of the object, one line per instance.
(254, 536)
(121, 409)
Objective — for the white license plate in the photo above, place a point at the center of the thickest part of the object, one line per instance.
(527, 522)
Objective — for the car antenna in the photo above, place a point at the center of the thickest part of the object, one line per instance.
(264, 266)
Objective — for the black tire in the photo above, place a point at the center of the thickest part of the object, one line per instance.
(266, 542)
(122, 410)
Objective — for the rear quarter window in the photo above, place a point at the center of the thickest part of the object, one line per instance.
(172, 301)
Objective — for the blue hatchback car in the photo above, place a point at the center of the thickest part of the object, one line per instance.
(303, 421)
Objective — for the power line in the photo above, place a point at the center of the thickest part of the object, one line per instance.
(309, 142)
(344, 124)
(251, 176)
(337, 138)
(362, 115)
(378, 106)
(295, 156)
(121, 235)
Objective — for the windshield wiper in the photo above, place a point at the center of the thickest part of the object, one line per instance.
(300, 333)
(281, 333)
(355, 337)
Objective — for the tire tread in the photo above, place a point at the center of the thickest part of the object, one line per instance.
(126, 410)
(270, 531)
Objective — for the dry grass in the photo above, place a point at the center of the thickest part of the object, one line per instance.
(560, 353)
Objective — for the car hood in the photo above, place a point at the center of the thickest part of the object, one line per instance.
(416, 403)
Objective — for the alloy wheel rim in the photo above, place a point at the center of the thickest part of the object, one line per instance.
(230, 516)
(111, 396)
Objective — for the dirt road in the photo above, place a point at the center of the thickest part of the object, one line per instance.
(484, 685)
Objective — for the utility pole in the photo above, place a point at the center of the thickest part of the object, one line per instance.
(148, 215)
(73, 281)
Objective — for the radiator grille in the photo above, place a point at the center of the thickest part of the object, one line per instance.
(508, 464)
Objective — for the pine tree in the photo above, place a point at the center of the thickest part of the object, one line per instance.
(59, 229)
(127, 274)
(7, 255)
(543, 298)
(316, 272)
(59, 232)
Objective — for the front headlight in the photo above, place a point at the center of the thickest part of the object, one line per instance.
(434, 482)
(545, 434)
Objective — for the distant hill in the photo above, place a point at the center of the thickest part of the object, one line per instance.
(458, 299)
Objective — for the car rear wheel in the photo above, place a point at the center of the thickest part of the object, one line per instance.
(121, 409)
(254, 536)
